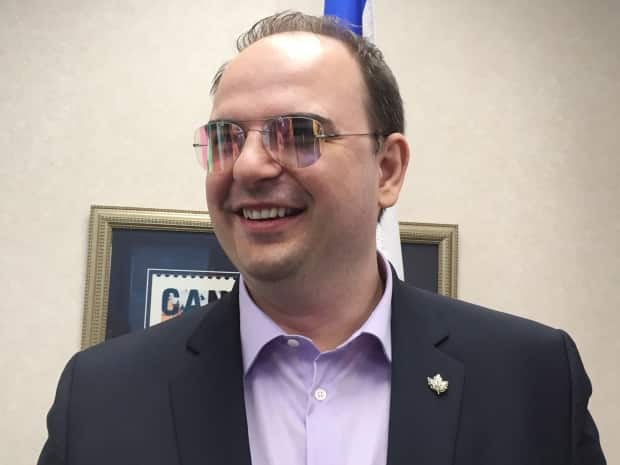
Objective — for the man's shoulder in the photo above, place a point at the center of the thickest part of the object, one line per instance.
(472, 327)
(164, 338)
(160, 349)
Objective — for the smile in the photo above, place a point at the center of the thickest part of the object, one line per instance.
(268, 213)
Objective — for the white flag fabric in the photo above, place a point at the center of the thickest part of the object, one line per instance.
(358, 16)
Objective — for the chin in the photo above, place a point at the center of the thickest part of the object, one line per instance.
(269, 269)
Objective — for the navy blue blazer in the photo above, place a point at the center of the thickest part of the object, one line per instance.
(173, 394)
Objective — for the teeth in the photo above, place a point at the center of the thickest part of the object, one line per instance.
(266, 213)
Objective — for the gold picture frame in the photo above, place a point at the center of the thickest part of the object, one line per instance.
(105, 220)
(445, 238)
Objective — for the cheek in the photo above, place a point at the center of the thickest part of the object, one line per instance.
(343, 184)
(215, 190)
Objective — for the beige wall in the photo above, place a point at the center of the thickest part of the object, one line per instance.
(513, 111)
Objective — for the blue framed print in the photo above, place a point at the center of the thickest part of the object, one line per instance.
(156, 275)
(146, 266)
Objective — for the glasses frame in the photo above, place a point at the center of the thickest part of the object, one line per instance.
(315, 119)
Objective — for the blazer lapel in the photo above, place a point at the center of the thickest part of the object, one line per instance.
(207, 397)
(423, 425)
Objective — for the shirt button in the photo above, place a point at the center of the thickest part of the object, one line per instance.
(293, 343)
(320, 394)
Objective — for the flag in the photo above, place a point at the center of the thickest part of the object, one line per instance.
(358, 16)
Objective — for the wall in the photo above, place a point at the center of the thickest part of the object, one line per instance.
(512, 109)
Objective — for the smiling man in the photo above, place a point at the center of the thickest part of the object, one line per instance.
(319, 355)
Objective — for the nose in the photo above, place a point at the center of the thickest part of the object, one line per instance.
(254, 163)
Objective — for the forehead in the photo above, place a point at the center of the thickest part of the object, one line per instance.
(288, 73)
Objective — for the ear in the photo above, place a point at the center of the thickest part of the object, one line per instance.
(392, 160)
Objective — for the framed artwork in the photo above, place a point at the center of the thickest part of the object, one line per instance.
(148, 265)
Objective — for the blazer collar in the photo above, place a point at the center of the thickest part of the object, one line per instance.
(207, 397)
(423, 425)
(208, 402)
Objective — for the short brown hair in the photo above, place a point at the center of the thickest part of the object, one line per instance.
(384, 105)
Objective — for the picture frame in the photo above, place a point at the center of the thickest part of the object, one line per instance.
(145, 265)
(430, 247)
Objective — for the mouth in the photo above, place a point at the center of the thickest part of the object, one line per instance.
(270, 213)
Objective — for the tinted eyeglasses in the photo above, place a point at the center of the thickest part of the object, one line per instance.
(292, 141)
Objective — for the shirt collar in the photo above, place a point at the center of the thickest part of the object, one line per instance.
(257, 329)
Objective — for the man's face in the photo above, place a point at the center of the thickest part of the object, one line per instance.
(333, 202)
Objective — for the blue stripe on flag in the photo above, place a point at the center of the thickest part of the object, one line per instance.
(350, 11)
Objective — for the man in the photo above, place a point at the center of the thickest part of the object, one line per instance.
(320, 355)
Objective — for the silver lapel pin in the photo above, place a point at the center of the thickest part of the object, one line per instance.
(437, 384)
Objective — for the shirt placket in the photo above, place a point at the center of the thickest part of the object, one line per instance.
(318, 442)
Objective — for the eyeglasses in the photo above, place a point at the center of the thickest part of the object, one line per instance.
(292, 141)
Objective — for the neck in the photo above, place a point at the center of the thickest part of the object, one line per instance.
(327, 308)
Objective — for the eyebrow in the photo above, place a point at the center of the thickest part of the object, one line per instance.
(325, 121)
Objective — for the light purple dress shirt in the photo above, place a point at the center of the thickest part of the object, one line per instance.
(306, 407)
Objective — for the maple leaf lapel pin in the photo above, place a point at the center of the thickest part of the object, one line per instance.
(437, 384)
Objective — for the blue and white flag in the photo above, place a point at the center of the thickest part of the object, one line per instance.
(357, 15)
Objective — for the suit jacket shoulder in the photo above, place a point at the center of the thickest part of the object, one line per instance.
(473, 327)
(170, 394)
